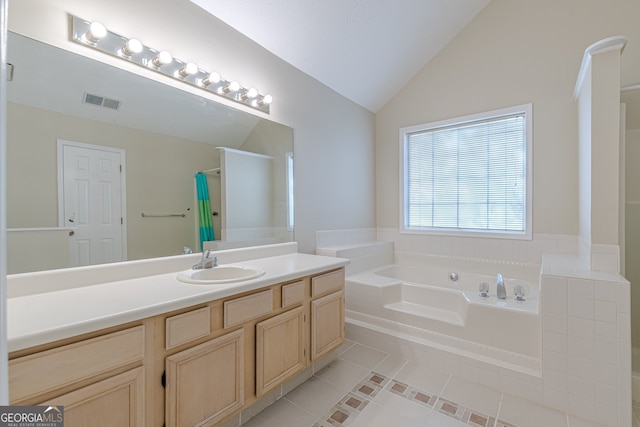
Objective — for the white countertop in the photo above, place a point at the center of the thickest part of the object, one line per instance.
(39, 318)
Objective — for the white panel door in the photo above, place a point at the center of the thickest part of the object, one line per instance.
(93, 205)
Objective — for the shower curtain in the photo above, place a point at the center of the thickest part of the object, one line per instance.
(204, 210)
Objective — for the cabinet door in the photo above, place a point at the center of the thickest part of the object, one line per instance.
(205, 383)
(279, 349)
(116, 401)
(327, 324)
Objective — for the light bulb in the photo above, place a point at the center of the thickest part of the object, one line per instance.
(250, 93)
(96, 32)
(163, 58)
(211, 79)
(188, 69)
(234, 86)
(266, 100)
(131, 47)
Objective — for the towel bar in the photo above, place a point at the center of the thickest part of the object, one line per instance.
(144, 215)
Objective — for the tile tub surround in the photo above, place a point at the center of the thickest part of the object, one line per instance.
(586, 340)
(585, 323)
(503, 250)
(586, 354)
(414, 299)
(368, 387)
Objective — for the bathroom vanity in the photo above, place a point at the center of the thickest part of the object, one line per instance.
(195, 354)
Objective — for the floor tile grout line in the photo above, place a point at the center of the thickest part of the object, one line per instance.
(370, 348)
(355, 392)
(440, 397)
(495, 424)
(299, 406)
(353, 363)
(330, 383)
(405, 363)
(444, 387)
(353, 344)
(387, 355)
(389, 380)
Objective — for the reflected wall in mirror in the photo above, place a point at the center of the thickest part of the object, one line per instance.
(631, 100)
(166, 136)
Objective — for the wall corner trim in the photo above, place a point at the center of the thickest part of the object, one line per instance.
(602, 46)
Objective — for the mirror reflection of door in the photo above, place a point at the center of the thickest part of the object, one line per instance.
(90, 193)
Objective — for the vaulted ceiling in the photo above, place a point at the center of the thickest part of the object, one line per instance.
(366, 50)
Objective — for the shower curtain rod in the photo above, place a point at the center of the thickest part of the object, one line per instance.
(628, 88)
(210, 170)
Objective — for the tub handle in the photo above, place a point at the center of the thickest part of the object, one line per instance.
(484, 289)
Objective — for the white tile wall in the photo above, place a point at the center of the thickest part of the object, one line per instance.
(596, 363)
(605, 258)
(344, 238)
(529, 251)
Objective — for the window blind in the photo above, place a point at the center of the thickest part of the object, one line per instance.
(469, 176)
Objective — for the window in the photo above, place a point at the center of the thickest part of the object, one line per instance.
(469, 175)
(289, 184)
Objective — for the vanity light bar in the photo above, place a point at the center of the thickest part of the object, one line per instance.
(97, 36)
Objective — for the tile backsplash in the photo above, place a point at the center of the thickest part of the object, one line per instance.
(525, 251)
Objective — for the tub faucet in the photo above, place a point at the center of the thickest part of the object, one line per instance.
(502, 292)
(208, 261)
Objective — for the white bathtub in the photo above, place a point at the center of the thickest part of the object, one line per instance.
(422, 304)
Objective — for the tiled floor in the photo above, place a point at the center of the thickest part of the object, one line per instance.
(366, 387)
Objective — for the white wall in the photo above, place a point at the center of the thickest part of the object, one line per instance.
(333, 137)
(513, 52)
(599, 152)
(633, 230)
(605, 146)
(246, 181)
(4, 369)
(584, 159)
(159, 178)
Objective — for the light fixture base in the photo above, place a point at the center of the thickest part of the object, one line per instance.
(113, 44)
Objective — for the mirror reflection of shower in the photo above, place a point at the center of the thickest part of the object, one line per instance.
(249, 193)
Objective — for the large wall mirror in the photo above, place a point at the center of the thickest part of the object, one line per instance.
(73, 120)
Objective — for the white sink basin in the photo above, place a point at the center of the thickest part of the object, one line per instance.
(219, 275)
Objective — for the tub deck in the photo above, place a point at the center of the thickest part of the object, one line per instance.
(423, 305)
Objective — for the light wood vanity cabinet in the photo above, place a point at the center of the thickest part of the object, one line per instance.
(99, 380)
(196, 366)
(327, 324)
(280, 349)
(205, 383)
(327, 313)
(116, 401)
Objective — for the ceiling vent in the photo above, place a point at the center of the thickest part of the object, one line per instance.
(101, 101)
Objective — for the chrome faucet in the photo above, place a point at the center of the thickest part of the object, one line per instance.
(502, 292)
(208, 261)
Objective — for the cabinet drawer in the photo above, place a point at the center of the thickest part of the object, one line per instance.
(48, 370)
(292, 294)
(240, 310)
(187, 327)
(326, 283)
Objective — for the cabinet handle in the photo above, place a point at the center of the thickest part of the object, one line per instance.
(163, 380)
